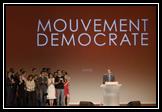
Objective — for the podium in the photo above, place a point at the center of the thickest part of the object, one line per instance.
(111, 96)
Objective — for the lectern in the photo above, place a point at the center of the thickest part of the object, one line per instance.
(111, 96)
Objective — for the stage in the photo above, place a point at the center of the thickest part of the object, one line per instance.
(83, 40)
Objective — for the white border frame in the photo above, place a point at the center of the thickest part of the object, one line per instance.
(76, 107)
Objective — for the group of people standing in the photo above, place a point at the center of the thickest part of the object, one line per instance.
(35, 90)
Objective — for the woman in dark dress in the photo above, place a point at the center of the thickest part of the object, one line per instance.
(21, 92)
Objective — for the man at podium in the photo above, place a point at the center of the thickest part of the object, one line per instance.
(109, 77)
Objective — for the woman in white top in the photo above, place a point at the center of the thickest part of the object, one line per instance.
(51, 89)
(30, 85)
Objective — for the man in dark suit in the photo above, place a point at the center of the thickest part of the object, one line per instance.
(9, 89)
(109, 77)
(15, 78)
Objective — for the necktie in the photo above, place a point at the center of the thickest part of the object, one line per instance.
(109, 78)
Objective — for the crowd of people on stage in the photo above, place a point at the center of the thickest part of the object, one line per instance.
(37, 90)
